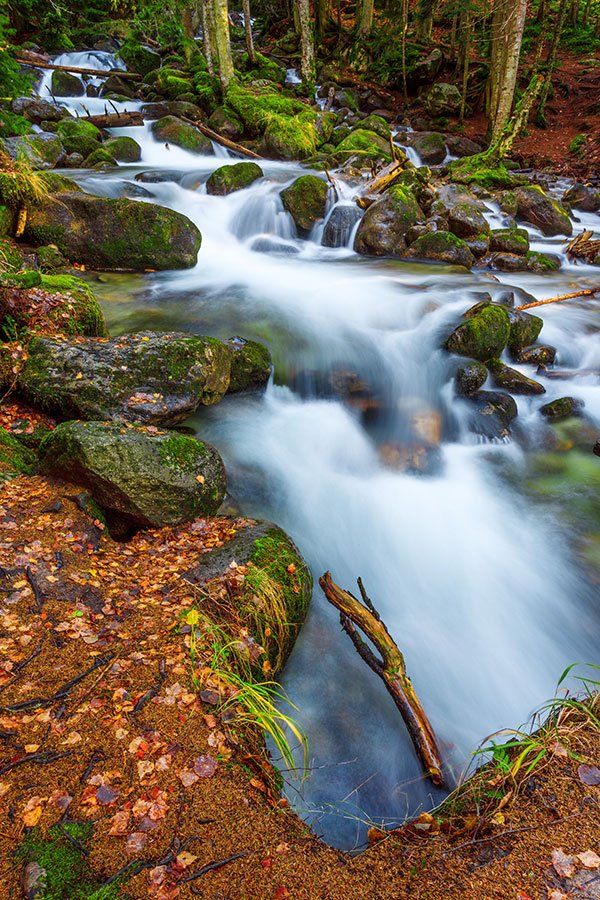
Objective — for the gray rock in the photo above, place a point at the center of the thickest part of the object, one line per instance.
(512, 380)
(383, 228)
(537, 208)
(339, 225)
(430, 145)
(443, 99)
(583, 197)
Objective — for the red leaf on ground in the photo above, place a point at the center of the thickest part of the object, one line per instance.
(589, 774)
(562, 864)
(205, 766)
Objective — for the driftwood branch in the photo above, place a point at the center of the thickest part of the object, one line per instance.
(584, 292)
(225, 142)
(78, 70)
(384, 178)
(583, 246)
(115, 120)
(391, 668)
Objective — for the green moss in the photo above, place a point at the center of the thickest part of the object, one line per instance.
(179, 451)
(263, 68)
(99, 157)
(306, 199)
(175, 131)
(578, 144)
(24, 280)
(365, 144)
(377, 124)
(78, 136)
(124, 148)
(15, 458)
(510, 240)
(287, 124)
(482, 170)
(482, 336)
(6, 221)
(10, 257)
(85, 315)
(227, 179)
(541, 262)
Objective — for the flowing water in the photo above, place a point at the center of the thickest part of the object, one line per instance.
(478, 585)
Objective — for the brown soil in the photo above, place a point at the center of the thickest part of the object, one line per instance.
(148, 778)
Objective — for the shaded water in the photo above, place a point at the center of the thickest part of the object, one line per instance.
(478, 586)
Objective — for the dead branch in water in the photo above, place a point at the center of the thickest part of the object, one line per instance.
(391, 668)
(584, 292)
(40, 63)
(583, 246)
(379, 183)
(114, 120)
(215, 136)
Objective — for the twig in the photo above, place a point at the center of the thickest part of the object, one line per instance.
(39, 758)
(584, 292)
(62, 692)
(37, 594)
(153, 691)
(210, 867)
(96, 756)
(77, 844)
(510, 831)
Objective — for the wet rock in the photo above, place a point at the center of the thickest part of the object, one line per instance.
(583, 197)
(443, 99)
(100, 159)
(73, 161)
(57, 304)
(44, 150)
(509, 240)
(123, 148)
(269, 244)
(493, 413)
(226, 123)
(413, 457)
(512, 380)
(148, 477)
(482, 336)
(562, 408)
(469, 377)
(116, 85)
(366, 145)
(383, 228)
(442, 246)
(459, 145)
(78, 136)
(376, 124)
(250, 365)
(114, 234)
(340, 224)
(172, 130)
(163, 108)
(524, 330)
(533, 205)
(144, 377)
(430, 145)
(64, 84)
(542, 355)
(37, 110)
(306, 201)
(15, 458)
(50, 258)
(158, 177)
(478, 244)
(227, 179)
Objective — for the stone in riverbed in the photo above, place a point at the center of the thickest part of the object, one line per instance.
(43, 150)
(172, 130)
(384, 226)
(482, 336)
(512, 380)
(306, 201)
(114, 234)
(339, 225)
(124, 148)
(58, 304)
(469, 377)
(64, 84)
(583, 197)
(37, 110)
(493, 412)
(430, 145)
(442, 246)
(524, 330)
(537, 208)
(79, 136)
(227, 179)
(145, 377)
(540, 355)
(146, 476)
(250, 365)
(509, 240)
(562, 408)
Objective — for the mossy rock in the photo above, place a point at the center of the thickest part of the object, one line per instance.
(561, 408)
(50, 258)
(78, 136)
(383, 228)
(114, 234)
(43, 150)
(172, 83)
(139, 58)
(15, 458)
(443, 99)
(541, 262)
(146, 478)
(470, 377)
(124, 149)
(481, 171)
(306, 201)
(10, 256)
(512, 380)
(153, 379)
(582, 196)
(444, 247)
(250, 365)
(262, 67)
(99, 157)
(225, 122)
(377, 124)
(227, 179)
(537, 208)
(482, 336)
(22, 280)
(6, 221)
(174, 131)
(57, 304)
(509, 240)
(367, 145)
(524, 330)
(430, 145)
(286, 125)
(64, 84)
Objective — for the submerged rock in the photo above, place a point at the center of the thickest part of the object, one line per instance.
(512, 380)
(148, 477)
(483, 335)
(384, 226)
(227, 179)
(145, 377)
(114, 234)
(533, 205)
(306, 201)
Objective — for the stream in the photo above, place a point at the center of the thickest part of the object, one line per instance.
(479, 586)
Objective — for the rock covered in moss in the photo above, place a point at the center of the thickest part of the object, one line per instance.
(442, 246)
(583, 197)
(275, 568)
(290, 137)
(114, 234)
(78, 136)
(57, 304)
(524, 330)
(139, 58)
(512, 380)
(537, 208)
(50, 258)
(286, 125)
(482, 336)
(376, 123)
(430, 145)
(15, 458)
(250, 365)
(64, 84)
(469, 377)
(43, 150)
(146, 476)
(144, 377)
(225, 122)
(366, 145)
(124, 148)
(306, 201)
(384, 226)
(509, 240)
(172, 130)
(100, 158)
(561, 408)
(443, 99)
(38, 110)
(227, 179)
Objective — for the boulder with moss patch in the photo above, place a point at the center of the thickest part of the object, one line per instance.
(512, 380)
(443, 99)
(250, 365)
(227, 179)
(139, 58)
(124, 148)
(172, 130)
(509, 240)
(383, 228)
(114, 234)
(146, 477)
(561, 408)
(306, 201)
(365, 145)
(482, 336)
(15, 458)
(225, 122)
(65, 84)
(430, 145)
(470, 377)
(43, 150)
(78, 136)
(442, 246)
(58, 304)
(525, 329)
(537, 208)
(100, 158)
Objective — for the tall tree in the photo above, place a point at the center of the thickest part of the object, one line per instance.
(307, 42)
(508, 22)
(207, 36)
(364, 17)
(222, 45)
(248, 31)
(551, 61)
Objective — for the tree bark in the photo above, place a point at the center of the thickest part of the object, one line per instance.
(78, 70)
(221, 41)
(508, 24)
(390, 668)
(248, 31)
(307, 43)
(465, 67)
(364, 17)
(207, 37)
(551, 61)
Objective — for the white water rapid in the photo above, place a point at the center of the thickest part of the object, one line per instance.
(477, 583)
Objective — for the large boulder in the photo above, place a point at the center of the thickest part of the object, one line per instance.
(365, 145)
(482, 336)
(43, 150)
(462, 210)
(139, 58)
(524, 330)
(250, 365)
(172, 130)
(15, 458)
(383, 228)
(114, 234)
(443, 99)
(64, 84)
(146, 476)
(37, 110)
(227, 179)
(58, 304)
(459, 145)
(340, 224)
(583, 197)
(430, 145)
(537, 208)
(442, 246)
(225, 122)
(144, 377)
(509, 240)
(78, 136)
(306, 201)
(123, 148)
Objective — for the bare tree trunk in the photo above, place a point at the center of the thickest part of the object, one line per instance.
(248, 31)
(551, 61)
(323, 16)
(404, 30)
(586, 13)
(465, 72)
(364, 17)
(425, 13)
(221, 41)
(509, 35)
(307, 43)
(207, 37)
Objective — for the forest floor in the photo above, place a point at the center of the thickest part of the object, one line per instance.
(170, 785)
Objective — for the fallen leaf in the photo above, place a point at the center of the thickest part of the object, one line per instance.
(589, 859)
(135, 842)
(187, 777)
(562, 864)
(105, 794)
(205, 766)
(32, 811)
(120, 822)
(282, 892)
(589, 774)
(557, 895)
(185, 859)
(145, 768)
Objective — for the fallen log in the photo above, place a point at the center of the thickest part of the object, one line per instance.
(380, 183)
(225, 142)
(583, 246)
(391, 668)
(115, 120)
(77, 70)
(584, 292)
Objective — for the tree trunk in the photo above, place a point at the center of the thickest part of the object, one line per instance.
(364, 17)
(323, 16)
(207, 37)
(425, 13)
(508, 25)
(221, 41)
(307, 44)
(551, 61)
(465, 71)
(404, 30)
(248, 31)
(514, 127)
